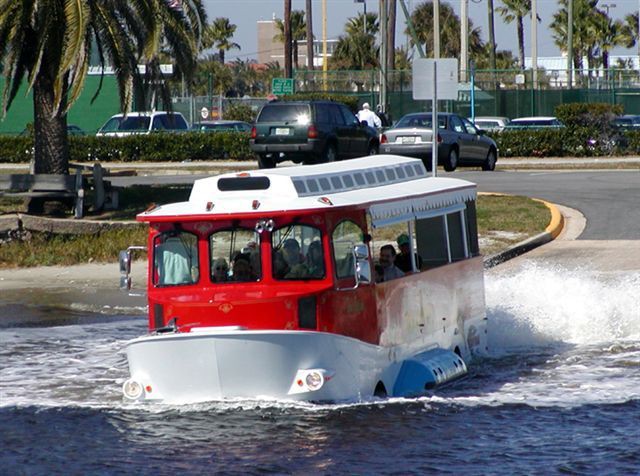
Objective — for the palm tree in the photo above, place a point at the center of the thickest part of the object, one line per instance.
(516, 10)
(422, 18)
(391, 35)
(47, 44)
(355, 49)
(584, 15)
(309, 11)
(630, 31)
(298, 32)
(608, 34)
(218, 35)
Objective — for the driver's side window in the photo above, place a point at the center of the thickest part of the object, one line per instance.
(345, 236)
(471, 129)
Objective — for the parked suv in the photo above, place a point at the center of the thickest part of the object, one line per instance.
(143, 123)
(309, 132)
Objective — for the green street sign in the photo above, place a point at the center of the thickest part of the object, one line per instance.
(282, 86)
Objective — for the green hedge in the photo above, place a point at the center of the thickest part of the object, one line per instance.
(194, 146)
(157, 147)
(565, 142)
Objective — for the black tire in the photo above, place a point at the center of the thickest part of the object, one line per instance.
(451, 162)
(265, 162)
(329, 154)
(489, 163)
(373, 149)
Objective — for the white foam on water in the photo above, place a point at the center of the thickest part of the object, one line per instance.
(558, 338)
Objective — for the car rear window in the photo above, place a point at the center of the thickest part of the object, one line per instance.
(421, 121)
(285, 113)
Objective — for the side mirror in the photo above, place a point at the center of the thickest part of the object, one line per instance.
(363, 267)
(481, 132)
(125, 262)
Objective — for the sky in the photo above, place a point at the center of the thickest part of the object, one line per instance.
(245, 14)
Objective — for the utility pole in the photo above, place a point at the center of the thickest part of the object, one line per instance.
(383, 53)
(464, 40)
(570, 43)
(436, 29)
(324, 45)
(391, 36)
(310, 45)
(534, 42)
(492, 37)
(288, 73)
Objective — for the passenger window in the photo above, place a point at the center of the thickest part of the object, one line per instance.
(175, 257)
(157, 124)
(323, 114)
(337, 115)
(349, 117)
(297, 253)
(456, 124)
(471, 129)
(235, 256)
(345, 236)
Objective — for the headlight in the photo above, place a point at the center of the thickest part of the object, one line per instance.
(314, 380)
(132, 389)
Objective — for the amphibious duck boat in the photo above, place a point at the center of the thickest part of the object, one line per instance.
(265, 285)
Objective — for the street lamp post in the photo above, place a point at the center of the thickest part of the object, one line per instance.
(364, 22)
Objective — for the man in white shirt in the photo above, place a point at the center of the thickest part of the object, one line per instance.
(387, 261)
(366, 114)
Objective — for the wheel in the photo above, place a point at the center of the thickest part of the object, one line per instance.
(451, 162)
(266, 162)
(373, 149)
(490, 162)
(329, 154)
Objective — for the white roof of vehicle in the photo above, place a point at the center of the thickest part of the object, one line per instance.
(389, 185)
(534, 118)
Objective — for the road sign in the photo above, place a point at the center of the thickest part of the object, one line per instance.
(282, 86)
(447, 72)
(204, 112)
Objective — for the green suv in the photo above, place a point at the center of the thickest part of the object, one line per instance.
(309, 132)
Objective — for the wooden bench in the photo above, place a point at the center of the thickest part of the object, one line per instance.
(56, 186)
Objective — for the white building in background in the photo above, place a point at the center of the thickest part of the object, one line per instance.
(556, 66)
(270, 50)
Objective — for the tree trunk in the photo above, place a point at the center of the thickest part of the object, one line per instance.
(391, 36)
(295, 53)
(50, 130)
(287, 39)
(221, 56)
(309, 35)
(520, 42)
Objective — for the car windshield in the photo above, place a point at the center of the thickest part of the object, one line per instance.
(112, 124)
(138, 123)
(294, 113)
(421, 121)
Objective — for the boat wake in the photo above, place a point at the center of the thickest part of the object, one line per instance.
(557, 338)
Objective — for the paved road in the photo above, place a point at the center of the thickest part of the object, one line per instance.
(610, 200)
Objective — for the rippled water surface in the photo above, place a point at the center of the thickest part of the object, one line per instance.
(560, 394)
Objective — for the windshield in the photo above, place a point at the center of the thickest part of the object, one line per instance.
(421, 121)
(297, 253)
(235, 256)
(175, 258)
(294, 113)
(139, 123)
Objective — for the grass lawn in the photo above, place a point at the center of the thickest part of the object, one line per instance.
(502, 222)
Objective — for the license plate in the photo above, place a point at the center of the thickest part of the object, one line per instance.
(408, 140)
(282, 131)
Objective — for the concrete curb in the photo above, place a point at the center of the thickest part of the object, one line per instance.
(62, 226)
(555, 227)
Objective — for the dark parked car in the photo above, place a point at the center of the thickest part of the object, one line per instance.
(221, 126)
(459, 141)
(309, 132)
(628, 122)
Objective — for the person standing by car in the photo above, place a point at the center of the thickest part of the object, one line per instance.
(366, 114)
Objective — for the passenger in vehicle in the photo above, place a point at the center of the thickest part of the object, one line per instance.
(280, 267)
(242, 268)
(177, 263)
(403, 260)
(220, 270)
(295, 260)
(387, 261)
(315, 260)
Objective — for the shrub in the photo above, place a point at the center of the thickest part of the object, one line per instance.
(156, 147)
(596, 115)
(240, 112)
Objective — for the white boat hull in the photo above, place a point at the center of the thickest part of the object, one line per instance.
(218, 363)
